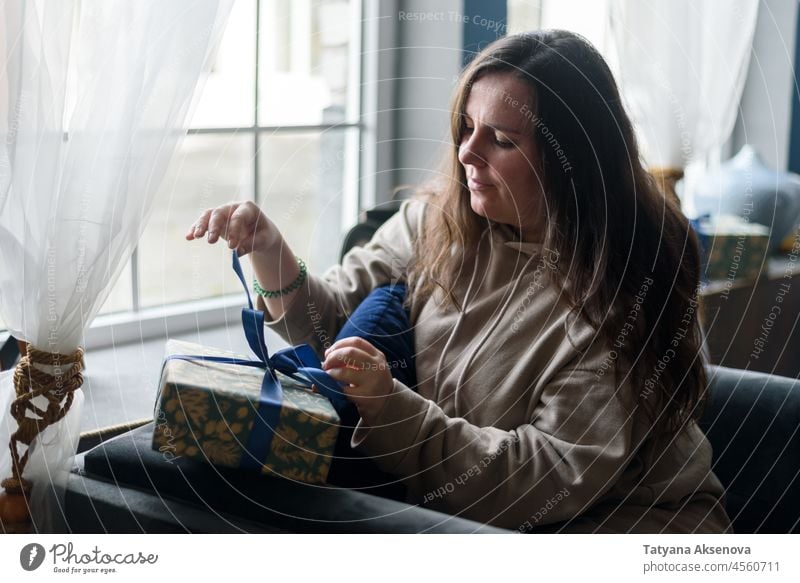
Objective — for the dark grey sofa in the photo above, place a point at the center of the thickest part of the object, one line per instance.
(753, 424)
(123, 485)
(752, 421)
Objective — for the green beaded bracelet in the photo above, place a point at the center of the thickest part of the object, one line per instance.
(288, 289)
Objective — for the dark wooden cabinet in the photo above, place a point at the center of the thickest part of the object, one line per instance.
(754, 324)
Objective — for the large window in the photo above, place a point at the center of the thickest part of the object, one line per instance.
(277, 123)
(586, 17)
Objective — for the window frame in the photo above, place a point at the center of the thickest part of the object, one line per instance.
(140, 324)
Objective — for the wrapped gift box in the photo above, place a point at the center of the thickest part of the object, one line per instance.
(733, 249)
(207, 410)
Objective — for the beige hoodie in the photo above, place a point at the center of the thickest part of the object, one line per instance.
(521, 418)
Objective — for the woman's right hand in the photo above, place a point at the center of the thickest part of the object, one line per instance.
(242, 224)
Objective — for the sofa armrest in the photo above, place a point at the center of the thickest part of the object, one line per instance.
(752, 420)
(131, 485)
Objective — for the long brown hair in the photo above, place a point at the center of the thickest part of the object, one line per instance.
(605, 214)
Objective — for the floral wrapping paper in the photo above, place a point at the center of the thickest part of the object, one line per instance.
(206, 411)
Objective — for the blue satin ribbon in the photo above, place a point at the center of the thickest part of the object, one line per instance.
(298, 362)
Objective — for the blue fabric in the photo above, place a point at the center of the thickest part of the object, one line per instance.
(381, 320)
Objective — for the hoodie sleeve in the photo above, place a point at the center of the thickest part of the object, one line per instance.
(321, 307)
(551, 469)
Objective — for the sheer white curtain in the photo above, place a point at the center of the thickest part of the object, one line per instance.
(94, 97)
(682, 67)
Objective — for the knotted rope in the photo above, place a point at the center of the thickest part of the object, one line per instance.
(30, 382)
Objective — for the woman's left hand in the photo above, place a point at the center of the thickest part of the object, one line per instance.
(363, 369)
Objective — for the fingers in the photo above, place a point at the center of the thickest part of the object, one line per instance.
(348, 357)
(355, 342)
(363, 371)
(200, 226)
(363, 387)
(213, 222)
(235, 222)
(219, 223)
(245, 247)
(345, 375)
(241, 225)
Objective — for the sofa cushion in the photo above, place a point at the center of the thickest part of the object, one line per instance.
(753, 423)
(382, 320)
(282, 504)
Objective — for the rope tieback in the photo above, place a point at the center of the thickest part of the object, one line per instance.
(30, 382)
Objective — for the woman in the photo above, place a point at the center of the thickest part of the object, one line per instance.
(553, 296)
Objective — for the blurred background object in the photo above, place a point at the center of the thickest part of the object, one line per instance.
(682, 67)
(743, 186)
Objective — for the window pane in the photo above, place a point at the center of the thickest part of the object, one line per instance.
(524, 15)
(121, 297)
(209, 170)
(307, 187)
(308, 51)
(589, 19)
(228, 97)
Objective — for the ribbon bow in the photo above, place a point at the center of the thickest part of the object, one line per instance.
(298, 362)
